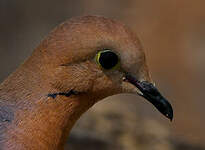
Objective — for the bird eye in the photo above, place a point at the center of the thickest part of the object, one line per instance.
(107, 59)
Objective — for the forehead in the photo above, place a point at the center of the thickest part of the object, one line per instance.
(82, 37)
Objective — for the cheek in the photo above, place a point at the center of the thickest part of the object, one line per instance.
(106, 86)
(73, 78)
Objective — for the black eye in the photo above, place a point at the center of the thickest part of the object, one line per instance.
(107, 59)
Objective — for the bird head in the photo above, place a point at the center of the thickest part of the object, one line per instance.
(98, 57)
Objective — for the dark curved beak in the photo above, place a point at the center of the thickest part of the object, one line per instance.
(150, 92)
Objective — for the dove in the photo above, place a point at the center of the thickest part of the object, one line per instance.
(82, 61)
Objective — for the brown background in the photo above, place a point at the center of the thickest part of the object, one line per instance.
(173, 35)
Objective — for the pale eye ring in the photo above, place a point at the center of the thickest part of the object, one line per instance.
(107, 59)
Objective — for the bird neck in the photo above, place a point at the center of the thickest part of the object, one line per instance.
(46, 125)
(39, 121)
(24, 83)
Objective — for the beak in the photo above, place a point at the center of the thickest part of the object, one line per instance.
(150, 92)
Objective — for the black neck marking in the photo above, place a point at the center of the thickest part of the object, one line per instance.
(67, 94)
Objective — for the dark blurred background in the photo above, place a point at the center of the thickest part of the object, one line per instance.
(173, 35)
